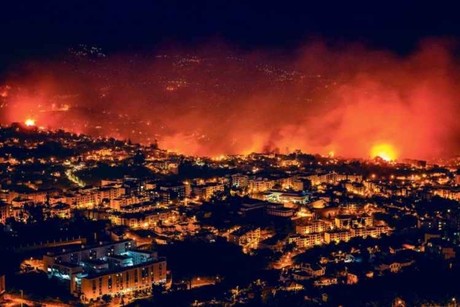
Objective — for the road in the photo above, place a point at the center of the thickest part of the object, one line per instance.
(12, 300)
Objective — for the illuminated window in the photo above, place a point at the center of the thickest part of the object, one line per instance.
(109, 282)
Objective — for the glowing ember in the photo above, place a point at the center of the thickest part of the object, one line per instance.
(384, 151)
(30, 122)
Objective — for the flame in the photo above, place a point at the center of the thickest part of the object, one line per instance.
(29, 122)
(385, 151)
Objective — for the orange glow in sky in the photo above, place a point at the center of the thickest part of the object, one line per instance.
(384, 151)
(351, 102)
(29, 122)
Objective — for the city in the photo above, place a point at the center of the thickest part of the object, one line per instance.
(108, 221)
(229, 153)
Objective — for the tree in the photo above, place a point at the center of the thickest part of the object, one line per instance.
(139, 158)
(107, 298)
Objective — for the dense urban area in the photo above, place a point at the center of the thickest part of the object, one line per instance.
(100, 221)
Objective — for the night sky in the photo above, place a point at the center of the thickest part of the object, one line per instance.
(40, 28)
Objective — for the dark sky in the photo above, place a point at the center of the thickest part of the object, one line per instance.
(42, 28)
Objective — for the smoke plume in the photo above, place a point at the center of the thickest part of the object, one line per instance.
(214, 100)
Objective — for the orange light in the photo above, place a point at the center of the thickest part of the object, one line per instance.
(30, 122)
(384, 151)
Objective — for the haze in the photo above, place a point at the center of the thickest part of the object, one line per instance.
(217, 100)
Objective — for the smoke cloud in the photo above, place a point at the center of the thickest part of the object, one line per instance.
(217, 100)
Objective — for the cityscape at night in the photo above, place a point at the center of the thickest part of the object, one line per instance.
(229, 153)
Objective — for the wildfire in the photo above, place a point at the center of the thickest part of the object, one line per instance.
(219, 158)
(371, 104)
(29, 122)
(384, 151)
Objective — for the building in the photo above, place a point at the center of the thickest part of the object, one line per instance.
(143, 219)
(112, 268)
(247, 237)
(452, 193)
(343, 221)
(297, 185)
(252, 206)
(60, 210)
(5, 212)
(325, 281)
(124, 280)
(373, 232)
(394, 266)
(332, 178)
(124, 200)
(352, 278)
(260, 185)
(396, 261)
(309, 240)
(285, 197)
(315, 226)
(240, 181)
(32, 196)
(206, 191)
(172, 191)
(313, 270)
(91, 197)
(87, 252)
(337, 236)
(308, 271)
(279, 210)
(355, 188)
(352, 221)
